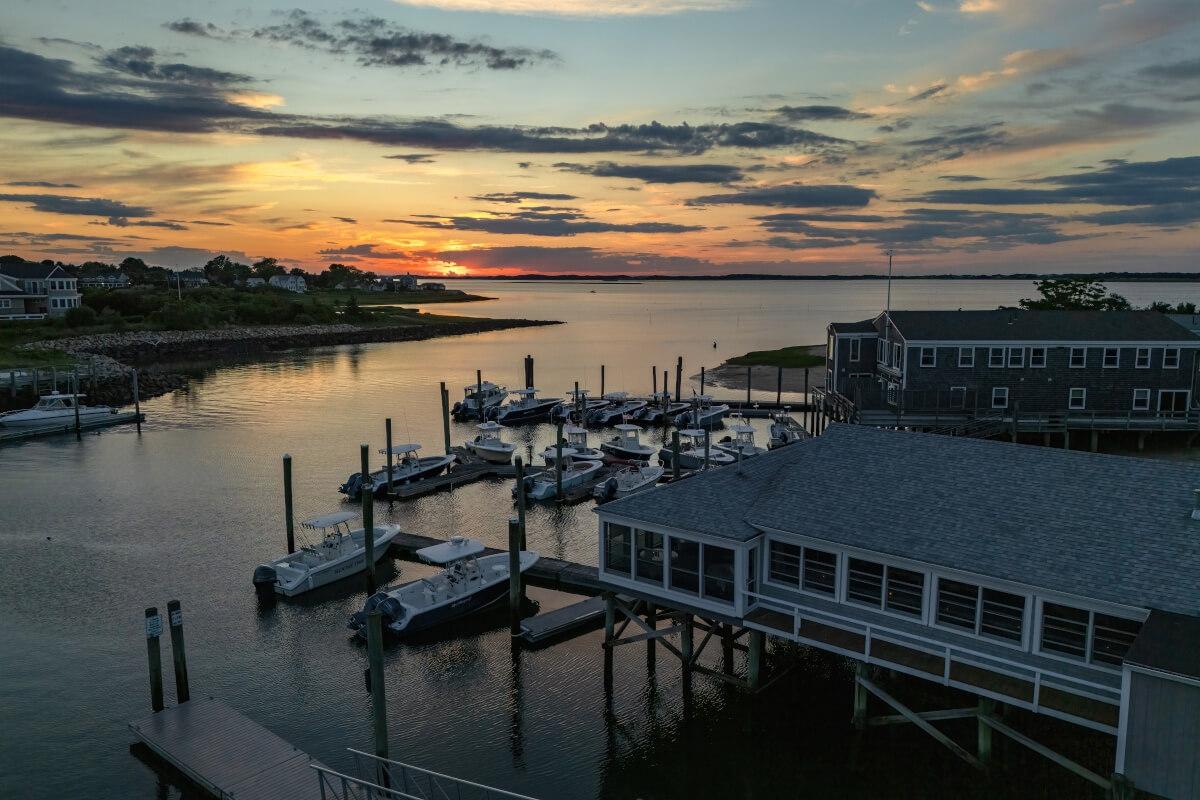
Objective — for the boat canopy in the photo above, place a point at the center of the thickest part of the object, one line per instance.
(692, 433)
(487, 386)
(401, 449)
(456, 549)
(616, 395)
(61, 396)
(742, 428)
(491, 426)
(625, 426)
(330, 520)
(530, 392)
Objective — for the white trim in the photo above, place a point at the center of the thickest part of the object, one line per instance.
(969, 351)
(1045, 357)
(855, 351)
(1187, 402)
(932, 357)
(1071, 398)
(1104, 358)
(1123, 721)
(1071, 358)
(1020, 646)
(992, 351)
(1178, 357)
(1137, 356)
(999, 389)
(1008, 357)
(1134, 405)
(1162, 674)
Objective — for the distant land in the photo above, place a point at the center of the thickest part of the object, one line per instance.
(1115, 277)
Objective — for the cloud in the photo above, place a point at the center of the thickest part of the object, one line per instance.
(140, 62)
(581, 8)
(961, 178)
(658, 173)
(179, 257)
(191, 27)
(518, 197)
(211, 222)
(124, 222)
(82, 206)
(951, 142)
(980, 6)
(1174, 71)
(537, 222)
(793, 195)
(1168, 215)
(414, 158)
(932, 91)
(363, 250)
(802, 113)
(594, 261)
(43, 184)
(347, 220)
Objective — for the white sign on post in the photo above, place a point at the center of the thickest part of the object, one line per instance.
(176, 618)
(153, 626)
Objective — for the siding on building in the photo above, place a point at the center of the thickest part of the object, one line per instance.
(1162, 739)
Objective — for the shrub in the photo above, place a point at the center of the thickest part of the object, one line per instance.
(80, 317)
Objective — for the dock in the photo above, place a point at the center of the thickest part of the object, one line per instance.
(470, 468)
(227, 754)
(21, 434)
(584, 615)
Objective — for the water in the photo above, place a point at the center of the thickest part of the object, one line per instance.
(94, 531)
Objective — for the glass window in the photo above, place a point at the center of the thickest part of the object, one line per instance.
(1112, 357)
(904, 590)
(1016, 356)
(785, 563)
(718, 573)
(649, 556)
(966, 356)
(1000, 397)
(996, 357)
(617, 548)
(1112, 637)
(957, 604)
(1077, 399)
(1037, 356)
(896, 355)
(1141, 359)
(1171, 358)
(1141, 399)
(820, 571)
(752, 572)
(1003, 615)
(928, 357)
(855, 349)
(685, 566)
(1078, 357)
(865, 583)
(1064, 630)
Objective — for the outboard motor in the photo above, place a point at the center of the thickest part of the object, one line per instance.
(456, 409)
(606, 491)
(358, 619)
(353, 486)
(264, 580)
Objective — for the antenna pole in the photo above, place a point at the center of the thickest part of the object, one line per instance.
(888, 308)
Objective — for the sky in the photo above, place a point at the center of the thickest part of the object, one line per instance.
(485, 137)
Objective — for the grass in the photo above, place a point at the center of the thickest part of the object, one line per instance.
(787, 357)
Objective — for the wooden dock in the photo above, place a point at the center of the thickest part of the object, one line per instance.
(228, 754)
(575, 618)
(21, 434)
(469, 469)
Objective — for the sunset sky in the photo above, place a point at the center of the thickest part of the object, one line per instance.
(604, 136)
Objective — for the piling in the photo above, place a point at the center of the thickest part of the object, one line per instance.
(984, 735)
(652, 621)
(137, 403)
(727, 648)
(807, 402)
(154, 657)
(702, 380)
(602, 380)
(378, 699)
(479, 393)
(754, 658)
(860, 696)
(686, 642)
(367, 494)
(178, 651)
(289, 520)
(445, 415)
(520, 469)
(528, 371)
(666, 399)
(579, 405)
(779, 386)
(75, 402)
(36, 383)
(707, 439)
(387, 434)
(654, 381)
(558, 459)
(675, 455)
(678, 377)
(514, 576)
(749, 378)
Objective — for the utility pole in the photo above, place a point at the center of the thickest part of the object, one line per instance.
(888, 308)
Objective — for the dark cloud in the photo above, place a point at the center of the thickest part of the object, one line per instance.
(1168, 215)
(950, 142)
(1174, 71)
(803, 113)
(793, 195)
(414, 158)
(82, 206)
(807, 243)
(932, 91)
(347, 220)
(517, 197)
(211, 222)
(140, 62)
(658, 173)
(899, 124)
(799, 222)
(191, 27)
(961, 178)
(43, 184)
(534, 222)
(123, 222)
(593, 261)
(364, 250)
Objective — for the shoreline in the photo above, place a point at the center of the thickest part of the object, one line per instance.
(766, 378)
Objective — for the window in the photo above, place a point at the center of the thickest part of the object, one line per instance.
(718, 573)
(1077, 400)
(904, 591)
(1016, 356)
(5, 303)
(1141, 359)
(966, 356)
(685, 566)
(1064, 630)
(1141, 399)
(1002, 615)
(617, 548)
(892, 588)
(855, 349)
(957, 604)
(1171, 358)
(897, 354)
(820, 571)
(1000, 397)
(784, 566)
(984, 612)
(1078, 357)
(649, 566)
(1087, 635)
(865, 582)
(1037, 356)
(1111, 638)
(1172, 399)
(1112, 357)
(928, 357)
(996, 357)
(958, 397)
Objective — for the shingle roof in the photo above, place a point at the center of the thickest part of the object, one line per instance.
(1158, 645)
(865, 326)
(28, 270)
(1111, 528)
(1039, 326)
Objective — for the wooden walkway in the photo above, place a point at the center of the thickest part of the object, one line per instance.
(577, 617)
(470, 468)
(228, 754)
(21, 434)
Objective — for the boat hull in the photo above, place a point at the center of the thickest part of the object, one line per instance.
(331, 571)
(27, 419)
(491, 455)
(509, 415)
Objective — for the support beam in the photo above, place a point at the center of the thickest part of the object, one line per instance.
(928, 716)
(915, 719)
(1046, 752)
(686, 641)
(652, 619)
(860, 695)
(754, 659)
(1095, 441)
(987, 707)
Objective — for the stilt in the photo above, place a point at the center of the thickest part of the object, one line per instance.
(387, 435)
(652, 619)
(727, 649)
(754, 659)
(154, 657)
(1095, 441)
(446, 416)
(860, 695)
(1066, 439)
(687, 644)
(1046, 439)
(610, 619)
(514, 576)
(178, 652)
(987, 707)
(1141, 442)
(678, 378)
(288, 516)
(367, 493)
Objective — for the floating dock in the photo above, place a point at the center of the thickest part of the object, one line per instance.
(108, 421)
(470, 468)
(584, 615)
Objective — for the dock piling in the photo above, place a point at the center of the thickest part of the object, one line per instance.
(686, 642)
(702, 380)
(528, 371)
(675, 455)
(520, 468)
(779, 386)
(378, 699)
(154, 657)
(178, 651)
(749, 380)
(707, 440)
(666, 395)
(602, 380)
(75, 401)
(387, 435)
(678, 377)
(479, 393)
(514, 576)
(558, 457)
(288, 518)
(367, 494)
(445, 415)
(137, 402)
(654, 381)
(651, 652)
(754, 659)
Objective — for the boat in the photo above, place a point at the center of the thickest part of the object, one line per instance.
(691, 452)
(340, 553)
(628, 480)
(467, 583)
(703, 413)
(786, 430)
(741, 443)
(528, 407)
(575, 447)
(489, 445)
(544, 485)
(571, 408)
(409, 469)
(485, 395)
(54, 409)
(619, 409)
(659, 408)
(627, 445)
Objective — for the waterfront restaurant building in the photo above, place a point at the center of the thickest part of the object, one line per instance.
(1063, 582)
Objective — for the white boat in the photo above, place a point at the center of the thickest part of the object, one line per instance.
(703, 413)
(741, 443)
(489, 445)
(628, 480)
(619, 409)
(786, 430)
(691, 452)
(571, 408)
(340, 553)
(486, 396)
(409, 469)
(627, 445)
(467, 583)
(54, 409)
(659, 408)
(528, 407)
(575, 447)
(544, 486)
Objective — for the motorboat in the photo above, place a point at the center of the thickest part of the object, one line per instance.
(527, 407)
(691, 452)
(575, 447)
(409, 469)
(544, 485)
(337, 552)
(619, 409)
(577, 407)
(489, 445)
(660, 408)
(480, 401)
(786, 430)
(628, 480)
(703, 413)
(627, 445)
(741, 443)
(54, 409)
(466, 583)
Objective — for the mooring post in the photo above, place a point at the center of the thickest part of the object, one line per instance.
(558, 459)
(36, 382)
(178, 651)
(378, 699)
(387, 435)
(754, 659)
(860, 696)
(154, 657)
(654, 381)
(702, 380)
(610, 619)
(675, 455)
(678, 377)
(528, 371)
(288, 519)
(445, 415)
(602, 380)
(75, 399)
(987, 707)
(1016, 412)
(367, 493)
(666, 394)
(137, 403)
(514, 576)
(727, 648)
(652, 621)
(687, 644)
(807, 400)
(1095, 441)
(520, 468)
(479, 393)
(749, 379)
(707, 439)
(779, 387)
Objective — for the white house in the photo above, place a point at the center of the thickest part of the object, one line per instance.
(293, 283)
(33, 291)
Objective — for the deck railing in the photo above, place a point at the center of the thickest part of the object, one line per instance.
(395, 780)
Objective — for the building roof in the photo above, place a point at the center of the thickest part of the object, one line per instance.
(1039, 326)
(29, 270)
(1110, 528)
(1158, 645)
(866, 326)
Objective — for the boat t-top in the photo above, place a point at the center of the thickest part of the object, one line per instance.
(480, 401)
(334, 552)
(527, 407)
(627, 445)
(691, 451)
(409, 469)
(741, 443)
(620, 408)
(703, 414)
(489, 445)
(54, 408)
(786, 430)
(467, 583)
(575, 447)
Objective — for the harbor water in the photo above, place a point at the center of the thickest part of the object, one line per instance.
(95, 531)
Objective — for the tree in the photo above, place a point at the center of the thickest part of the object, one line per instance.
(135, 268)
(1163, 307)
(224, 271)
(1074, 294)
(350, 277)
(267, 268)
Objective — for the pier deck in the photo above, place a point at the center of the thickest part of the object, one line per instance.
(21, 434)
(228, 754)
(585, 614)
(470, 468)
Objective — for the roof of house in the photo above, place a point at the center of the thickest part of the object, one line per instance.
(1111, 528)
(866, 326)
(28, 270)
(1157, 646)
(1042, 326)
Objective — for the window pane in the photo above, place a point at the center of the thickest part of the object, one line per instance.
(649, 556)
(1112, 637)
(752, 571)
(616, 558)
(1064, 630)
(685, 566)
(957, 603)
(718, 573)
(1002, 614)
(820, 571)
(865, 582)
(785, 563)
(904, 589)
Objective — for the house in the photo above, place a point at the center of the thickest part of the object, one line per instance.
(404, 282)
(191, 278)
(292, 283)
(1073, 362)
(253, 283)
(32, 291)
(103, 280)
(1060, 582)
(433, 287)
